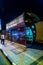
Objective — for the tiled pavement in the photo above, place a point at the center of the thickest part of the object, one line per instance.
(19, 55)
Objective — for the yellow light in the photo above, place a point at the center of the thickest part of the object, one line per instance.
(29, 13)
(26, 21)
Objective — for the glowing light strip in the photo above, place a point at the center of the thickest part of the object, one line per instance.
(5, 53)
(15, 21)
(13, 63)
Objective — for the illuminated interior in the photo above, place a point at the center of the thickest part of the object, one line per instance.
(29, 34)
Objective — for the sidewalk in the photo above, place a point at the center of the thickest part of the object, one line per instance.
(19, 56)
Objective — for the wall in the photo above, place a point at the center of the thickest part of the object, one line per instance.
(39, 31)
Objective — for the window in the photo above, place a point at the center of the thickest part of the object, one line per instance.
(29, 34)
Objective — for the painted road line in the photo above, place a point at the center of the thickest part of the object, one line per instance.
(13, 64)
(30, 57)
(5, 53)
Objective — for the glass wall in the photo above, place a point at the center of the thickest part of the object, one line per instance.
(29, 34)
(16, 30)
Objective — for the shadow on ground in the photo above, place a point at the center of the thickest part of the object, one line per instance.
(38, 61)
(35, 45)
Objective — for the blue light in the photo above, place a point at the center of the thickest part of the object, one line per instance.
(15, 33)
(41, 1)
(33, 26)
(29, 34)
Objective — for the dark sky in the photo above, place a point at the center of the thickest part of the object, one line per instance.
(10, 9)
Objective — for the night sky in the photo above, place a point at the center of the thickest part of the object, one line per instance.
(9, 9)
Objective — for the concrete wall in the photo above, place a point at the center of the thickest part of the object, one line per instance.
(39, 31)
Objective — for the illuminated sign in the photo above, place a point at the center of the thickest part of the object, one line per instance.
(11, 24)
(15, 22)
(20, 19)
(29, 34)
